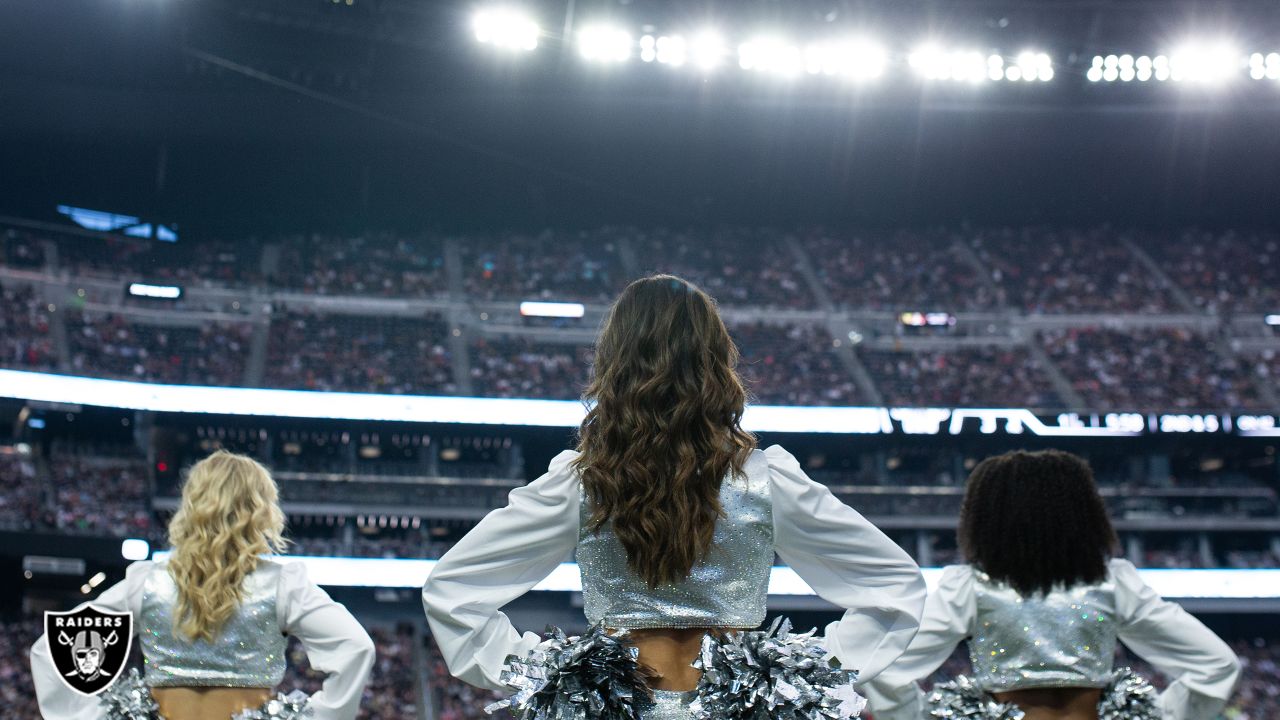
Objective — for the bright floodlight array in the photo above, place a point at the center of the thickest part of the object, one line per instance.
(1205, 64)
(861, 59)
(604, 43)
(506, 28)
(1264, 67)
(972, 66)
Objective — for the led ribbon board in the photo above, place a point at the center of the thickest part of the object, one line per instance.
(129, 395)
(396, 573)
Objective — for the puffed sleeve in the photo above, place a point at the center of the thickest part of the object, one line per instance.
(948, 620)
(849, 563)
(1202, 669)
(57, 701)
(502, 558)
(334, 641)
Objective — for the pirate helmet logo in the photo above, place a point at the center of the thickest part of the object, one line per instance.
(89, 646)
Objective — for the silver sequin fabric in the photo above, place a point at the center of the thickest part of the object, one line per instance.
(249, 650)
(670, 705)
(726, 589)
(1063, 638)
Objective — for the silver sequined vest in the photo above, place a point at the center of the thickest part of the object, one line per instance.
(248, 652)
(1064, 638)
(726, 589)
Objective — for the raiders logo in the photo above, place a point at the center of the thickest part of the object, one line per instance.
(89, 646)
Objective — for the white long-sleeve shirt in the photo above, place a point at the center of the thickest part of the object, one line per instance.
(334, 641)
(1202, 668)
(842, 556)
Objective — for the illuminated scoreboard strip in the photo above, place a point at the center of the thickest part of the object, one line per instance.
(395, 573)
(127, 395)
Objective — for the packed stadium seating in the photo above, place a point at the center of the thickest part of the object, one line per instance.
(1165, 368)
(23, 502)
(519, 367)
(1223, 272)
(108, 345)
(379, 265)
(1024, 281)
(793, 364)
(311, 351)
(1049, 270)
(897, 271)
(24, 330)
(963, 377)
(736, 266)
(582, 267)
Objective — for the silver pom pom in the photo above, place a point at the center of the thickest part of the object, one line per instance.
(775, 675)
(129, 698)
(294, 706)
(962, 699)
(1128, 697)
(594, 676)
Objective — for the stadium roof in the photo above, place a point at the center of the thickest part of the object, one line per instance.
(251, 115)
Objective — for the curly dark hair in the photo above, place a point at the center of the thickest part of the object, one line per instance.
(1035, 520)
(665, 426)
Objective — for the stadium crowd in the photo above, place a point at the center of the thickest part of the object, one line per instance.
(1035, 270)
(793, 365)
(518, 367)
(1050, 270)
(1161, 368)
(23, 505)
(961, 377)
(25, 341)
(312, 351)
(100, 497)
(110, 345)
(549, 266)
(897, 271)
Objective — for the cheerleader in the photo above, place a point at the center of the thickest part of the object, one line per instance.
(213, 619)
(1042, 603)
(675, 517)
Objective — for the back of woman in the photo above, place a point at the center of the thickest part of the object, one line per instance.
(1042, 605)
(213, 619)
(675, 517)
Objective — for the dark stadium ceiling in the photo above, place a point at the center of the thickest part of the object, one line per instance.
(245, 115)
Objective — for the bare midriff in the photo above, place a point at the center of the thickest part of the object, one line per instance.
(670, 652)
(1054, 703)
(207, 703)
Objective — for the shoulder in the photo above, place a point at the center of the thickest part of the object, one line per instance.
(1124, 575)
(137, 573)
(956, 579)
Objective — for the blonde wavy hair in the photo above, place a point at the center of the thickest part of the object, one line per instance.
(229, 517)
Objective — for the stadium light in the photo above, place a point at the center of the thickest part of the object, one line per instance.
(666, 49)
(1030, 66)
(1264, 67)
(604, 43)
(1204, 63)
(533, 308)
(506, 28)
(772, 56)
(671, 50)
(707, 50)
(934, 63)
(135, 549)
(855, 58)
(147, 290)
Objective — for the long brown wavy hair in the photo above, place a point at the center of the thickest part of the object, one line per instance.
(229, 516)
(663, 426)
(1035, 520)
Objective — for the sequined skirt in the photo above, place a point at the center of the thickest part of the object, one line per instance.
(129, 698)
(1128, 696)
